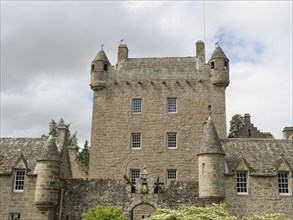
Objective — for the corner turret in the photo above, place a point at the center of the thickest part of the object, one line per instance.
(211, 164)
(219, 65)
(99, 69)
(48, 180)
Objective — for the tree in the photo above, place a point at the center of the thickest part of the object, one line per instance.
(236, 123)
(53, 130)
(104, 213)
(84, 155)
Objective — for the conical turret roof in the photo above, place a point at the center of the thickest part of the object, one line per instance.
(51, 151)
(219, 53)
(101, 56)
(211, 143)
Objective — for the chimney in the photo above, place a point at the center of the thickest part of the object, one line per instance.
(288, 133)
(122, 55)
(247, 119)
(62, 136)
(200, 52)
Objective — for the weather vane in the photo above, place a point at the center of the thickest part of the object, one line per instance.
(120, 42)
(217, 44)
(102, 47)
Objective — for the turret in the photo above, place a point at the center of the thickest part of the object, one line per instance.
(99, 69)
(219, 65)
(48, 177)
(211, 162)
(122, 56)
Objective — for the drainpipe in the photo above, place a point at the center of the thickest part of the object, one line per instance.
(61, 198)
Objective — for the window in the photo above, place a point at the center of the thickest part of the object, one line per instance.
(209, 108)
(171, 175)
(19, 180)
(172, 140)
(226, 65)
(283, 183)
(93, 67)
(14, 216)
(135, 141)
(105, 67)
(136, 106)
(145, 216)
(212, 65)
(172, 107)
(241, 181)
(134, 174)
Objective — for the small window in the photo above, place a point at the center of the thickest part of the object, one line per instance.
(93, 67)
(134, 174)
(241, 182)
(14, 216)
(19, 180)
(283, 183)
(171, 175)
(209, 108)
(172, 105)
(226, 66)
(249, 133)
(212, 65)
(105, 67)
(136, 106)
(172, 140)
(145, 216)
(136, 141)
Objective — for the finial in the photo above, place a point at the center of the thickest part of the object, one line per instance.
(102, 47)
(217, 44)
(121, 41)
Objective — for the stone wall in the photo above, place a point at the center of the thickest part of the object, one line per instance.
(263, 197)
(19, 202)
(80, 195)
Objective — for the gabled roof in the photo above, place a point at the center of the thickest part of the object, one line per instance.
(12, 148)
(262, 155)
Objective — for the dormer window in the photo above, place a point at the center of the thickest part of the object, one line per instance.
(241, 183)
(212, 65)
(283, 183)
(19, 181)
(105, 67)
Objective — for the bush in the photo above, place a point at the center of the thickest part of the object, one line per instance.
(104, 213)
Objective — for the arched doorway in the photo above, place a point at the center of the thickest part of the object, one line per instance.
(142, 211)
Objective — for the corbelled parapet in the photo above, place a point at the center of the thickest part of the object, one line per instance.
(211, 162)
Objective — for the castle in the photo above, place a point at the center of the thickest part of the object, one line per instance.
(158, 141)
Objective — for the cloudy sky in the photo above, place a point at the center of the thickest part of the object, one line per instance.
(47, 48)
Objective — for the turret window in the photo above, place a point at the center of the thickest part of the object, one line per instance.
(212, 65)
(283, 183)
(93, 67)
(105, 67)
(226, 66)
(14, 216)
(19, 180)
(241, 183)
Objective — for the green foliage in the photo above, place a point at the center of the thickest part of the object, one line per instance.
(84, 155)
(104, 213)
(275, 216)
(214, 212)
(236, 123)
(53, 130)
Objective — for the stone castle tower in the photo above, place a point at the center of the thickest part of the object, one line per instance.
(131, 97)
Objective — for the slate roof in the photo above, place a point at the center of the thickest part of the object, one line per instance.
(12, 148)
(50, 152)
(218, 53)
(211, 143)
(261, 155)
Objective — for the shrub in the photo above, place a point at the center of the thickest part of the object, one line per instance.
(104, 213)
